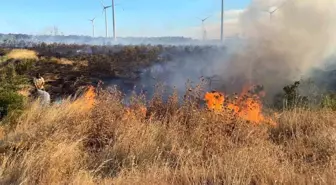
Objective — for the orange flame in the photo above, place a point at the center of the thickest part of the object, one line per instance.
(246, 106)
(215, 101)
(134, 112)
(89, 97)
(87, 101)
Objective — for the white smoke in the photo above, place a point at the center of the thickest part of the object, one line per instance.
(272, 53)
(279, 50)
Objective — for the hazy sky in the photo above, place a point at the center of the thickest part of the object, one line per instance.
(139, 17)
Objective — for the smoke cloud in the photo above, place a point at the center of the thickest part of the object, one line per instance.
(272, 53)
(282, 49)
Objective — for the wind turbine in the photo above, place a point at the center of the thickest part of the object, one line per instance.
(203, 27)
(114, 21)
(114, 24)
(104, 10)
(93, 27)
(222, 21)
(273, 9)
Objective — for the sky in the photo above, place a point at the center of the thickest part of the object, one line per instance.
(146, 18)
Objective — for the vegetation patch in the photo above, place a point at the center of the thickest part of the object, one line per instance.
(22, 54)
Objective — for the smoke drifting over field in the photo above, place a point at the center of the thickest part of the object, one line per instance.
(298, 38)
(273, 53)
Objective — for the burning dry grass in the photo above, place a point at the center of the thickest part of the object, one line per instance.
(63, 144)
(246, 106)
(22, 54)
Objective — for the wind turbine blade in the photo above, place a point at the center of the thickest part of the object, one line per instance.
(207, 18)
(274, 10)
(106, 7)
(102, 3)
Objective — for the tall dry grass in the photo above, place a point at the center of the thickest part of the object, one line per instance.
(22, 54)
(69, 144)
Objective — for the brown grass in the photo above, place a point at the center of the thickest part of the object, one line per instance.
(64, 144)
(22, 54)
(62, 61)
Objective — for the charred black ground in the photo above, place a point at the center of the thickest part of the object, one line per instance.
(67, 68)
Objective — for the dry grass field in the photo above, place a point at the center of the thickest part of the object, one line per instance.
(21, 54)
(98, 140)
(280, 131)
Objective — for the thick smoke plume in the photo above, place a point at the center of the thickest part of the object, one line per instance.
(282, 49)
(273, 53)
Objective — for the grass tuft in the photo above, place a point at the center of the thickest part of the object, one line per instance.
(21, 54)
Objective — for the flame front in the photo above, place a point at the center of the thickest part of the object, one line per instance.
(246, 106)
(215, 101)
(135, 112)
(87, 101)
(89, 97)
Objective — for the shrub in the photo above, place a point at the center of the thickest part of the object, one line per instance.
(329, 101)
(290, 98)
(3, 59)
(23, 66)
(10, 101)
(3, 52)
(11, 81)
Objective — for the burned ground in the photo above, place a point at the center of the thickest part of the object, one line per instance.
(67, 67)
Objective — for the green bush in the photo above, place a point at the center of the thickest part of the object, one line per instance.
(23, 66)
(10, 102)
(290, 98)
(3, 52)
(3, 59)
(329, 101)
(11, 81)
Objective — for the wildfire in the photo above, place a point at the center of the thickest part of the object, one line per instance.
(246, 106)
(214, 101)
(87, 101)
(89, 97)
(134, 112)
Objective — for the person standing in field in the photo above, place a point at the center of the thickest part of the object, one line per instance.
(39, 81)
(43, 96)
(39, 92)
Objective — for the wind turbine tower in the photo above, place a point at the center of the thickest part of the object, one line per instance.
(271, 11)
(55, 31)
(104, 10)
(114, 23)
(203, 27)
(222, 21)
(204, 35)
(93, 26)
